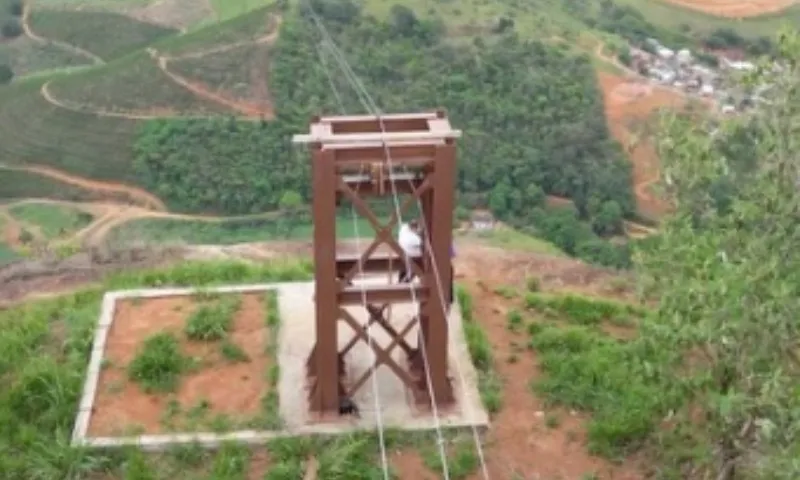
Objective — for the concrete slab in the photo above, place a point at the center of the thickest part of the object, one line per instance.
(297, 333)
(395, 403)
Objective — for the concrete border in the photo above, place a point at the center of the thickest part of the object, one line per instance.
(158, 442)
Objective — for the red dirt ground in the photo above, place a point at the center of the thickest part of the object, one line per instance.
(735, 8)
(232, 389)
(627, 101)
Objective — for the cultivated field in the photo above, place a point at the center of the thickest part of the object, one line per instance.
(34, 131)
(26, 56)
(105, 34)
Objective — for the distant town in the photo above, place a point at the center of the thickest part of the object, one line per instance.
(694, 74)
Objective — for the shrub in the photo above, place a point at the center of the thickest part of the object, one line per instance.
(6, 74)
(16, 8)
(11, 28)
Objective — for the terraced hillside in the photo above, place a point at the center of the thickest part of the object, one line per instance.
(105, 34)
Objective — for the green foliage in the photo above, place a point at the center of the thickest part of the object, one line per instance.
(616, 381)
(52, 220)
(212, 321)
(6, 74)
(524, 150)
(480, 351)
(724, 271)
(271, 401)
(108, 35)
(158, 363)
(255, 229)
(34, 131)
(134, 83)
(582, 310)
(233, 352)
(18, 185)
(10, 28)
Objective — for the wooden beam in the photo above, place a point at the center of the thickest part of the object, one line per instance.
(319, 137)
(396, 293)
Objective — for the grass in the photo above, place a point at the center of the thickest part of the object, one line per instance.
(27, 56)
(34, 131)
(227, 9)
(212, 321)
(52, 220)
(232, 231)
(107, 35)
(666, 15)
(19, 185)
(505, 237)
(617, 382)
(480, 351)
(158, 363)
(131, 84)
(272, 418)
(581, 310)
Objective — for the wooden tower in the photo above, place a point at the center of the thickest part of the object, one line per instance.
(359, 156)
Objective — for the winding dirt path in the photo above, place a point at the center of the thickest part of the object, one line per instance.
(250, 111)
(137, 195)
(26, 28)
(205, 92)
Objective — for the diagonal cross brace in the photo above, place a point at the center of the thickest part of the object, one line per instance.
(381, 354)
(382, 232)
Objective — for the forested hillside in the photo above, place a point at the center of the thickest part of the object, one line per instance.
(532, 118)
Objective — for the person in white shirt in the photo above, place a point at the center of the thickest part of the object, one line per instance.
(411, 243)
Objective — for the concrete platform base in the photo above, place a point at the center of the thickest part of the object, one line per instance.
(396, 405)
(297, 333)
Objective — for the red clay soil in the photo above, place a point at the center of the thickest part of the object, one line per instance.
(627, 102)
(735, 8)
(519, 444)
(232, 389)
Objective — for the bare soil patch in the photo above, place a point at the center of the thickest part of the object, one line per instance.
(630, 102)
(216, 393)
(173, 13)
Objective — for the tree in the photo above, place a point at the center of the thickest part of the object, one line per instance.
(11, 28)
(728, 280)
(290, 206)
(6, 74)
(16, 8)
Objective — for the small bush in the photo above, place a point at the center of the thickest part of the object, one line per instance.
(514, 320)
(15, 8)
(158, 364)
(532, 284)
(233, 353)
(11, 28)
(6, 74)
(212, 322)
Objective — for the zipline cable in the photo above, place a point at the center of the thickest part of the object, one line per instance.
(368, 324)
(375, 110)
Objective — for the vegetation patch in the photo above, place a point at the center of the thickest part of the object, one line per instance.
(239, 73)
(35, 131)
(53, 221)
(480, 350)
(17, 185)
(212, 321)
(26, 56)
(227, 232)
(105, 34)
(582, 310)
(158, 364)
(604, 174)
(133, 83)
(618, 382)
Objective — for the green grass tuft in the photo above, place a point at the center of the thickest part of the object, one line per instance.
(158, 364)
(480, 350)
(212, 322)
